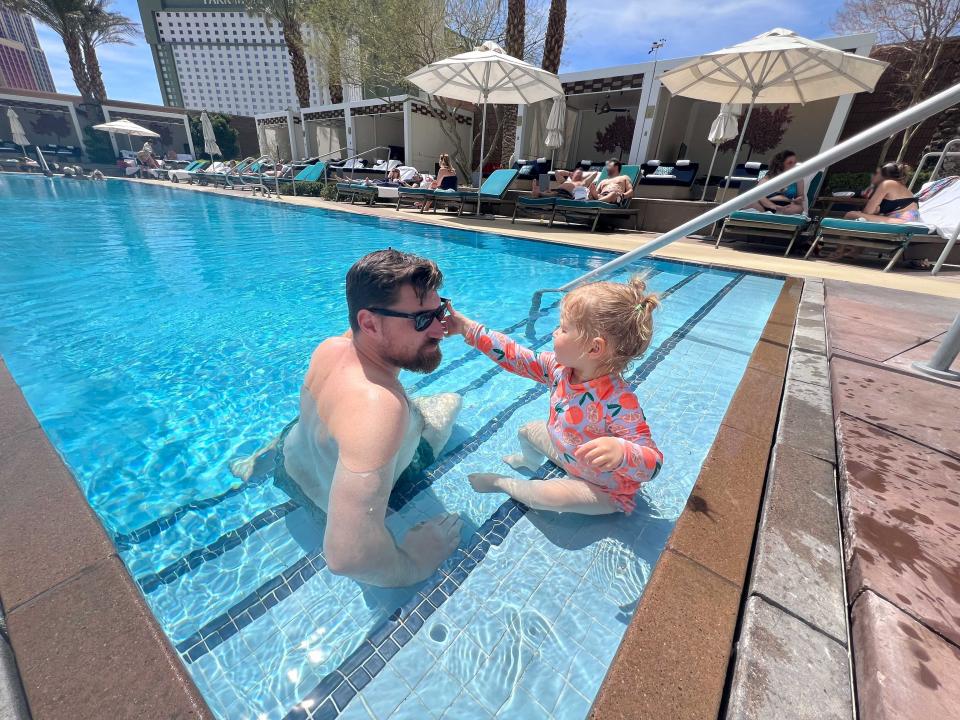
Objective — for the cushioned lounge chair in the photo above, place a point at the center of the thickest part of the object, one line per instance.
(422, 195)
(543, 205)
(310, 173)
(492, 192)
(770, 227)
(880, 237)
(595, 209)
(184, 174)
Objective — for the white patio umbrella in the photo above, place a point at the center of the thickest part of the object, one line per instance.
(16, 130)
(128, 128)
(554, 138)
(209, 139)
(778, 66)
(724, 128)
(487, 75)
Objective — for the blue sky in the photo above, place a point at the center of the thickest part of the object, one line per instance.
(599, 34)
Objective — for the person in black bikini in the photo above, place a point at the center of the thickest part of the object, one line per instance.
(891, 201)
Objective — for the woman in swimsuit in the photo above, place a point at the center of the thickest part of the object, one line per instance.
(890, 202)
(785, 201)
(569, 181)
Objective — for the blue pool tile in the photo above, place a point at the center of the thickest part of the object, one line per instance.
(343, 695)
(499, 677)
(462, 607)
(522, 705)
(586, 673)
(543, 682)
(326, 711)
(384, 695)
(571, 705)
(437, 689)
(463, 659)
(411, 709)
(437, 633)
(485, 630)
(413, 661)
(466, 707)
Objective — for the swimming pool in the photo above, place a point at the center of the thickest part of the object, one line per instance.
(157, 334)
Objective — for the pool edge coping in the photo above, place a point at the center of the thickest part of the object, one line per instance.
(78, 626)
(675, 656)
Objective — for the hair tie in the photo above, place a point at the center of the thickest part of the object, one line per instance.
(642, 306)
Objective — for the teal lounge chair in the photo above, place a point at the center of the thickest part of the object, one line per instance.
(310, 173)
(543, 205)
(493, 191)
(880, 237)
(770, 227)
(355, 190)
(595, 209)
(423, 195)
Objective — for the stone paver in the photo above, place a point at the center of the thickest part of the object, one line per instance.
(901, 508)
(808, 367)
(904, 671)
(797, 562)
(906, 404)
(877, 331)
(806, 419)
(15, 415)
(787, 670)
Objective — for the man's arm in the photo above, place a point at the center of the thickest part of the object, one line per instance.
(369, 430)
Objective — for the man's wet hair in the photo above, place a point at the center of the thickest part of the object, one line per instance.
(375, 280)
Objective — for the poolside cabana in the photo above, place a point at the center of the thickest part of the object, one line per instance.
(280, 135)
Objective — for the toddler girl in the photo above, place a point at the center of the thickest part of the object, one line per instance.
(596, 430)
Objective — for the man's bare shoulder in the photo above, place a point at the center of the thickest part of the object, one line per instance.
(369, 422)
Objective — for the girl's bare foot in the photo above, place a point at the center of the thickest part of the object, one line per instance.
(485, 482)
(518, 462)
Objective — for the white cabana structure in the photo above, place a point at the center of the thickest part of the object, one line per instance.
(778, 66)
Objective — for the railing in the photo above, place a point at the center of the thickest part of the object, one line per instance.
(366, 152)
(43, 162)
(865, 139)
(293, 180)
(940, 155)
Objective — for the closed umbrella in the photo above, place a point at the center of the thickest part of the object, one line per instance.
(16, 130)
(209, 139)
(126, 127)
(724, 128)
(554, 138)
(778, 66)
(487, 75)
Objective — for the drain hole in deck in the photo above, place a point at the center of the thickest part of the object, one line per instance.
(438, 633)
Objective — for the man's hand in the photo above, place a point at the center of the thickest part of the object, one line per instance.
(431, 542)
(455, 323)
(604, 454)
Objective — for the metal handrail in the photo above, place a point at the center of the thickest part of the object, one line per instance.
(919, 112)
(276, 177)
(940, 154)
(43, 162)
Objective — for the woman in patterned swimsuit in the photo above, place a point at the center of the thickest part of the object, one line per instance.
(891, 201)
(596, 430)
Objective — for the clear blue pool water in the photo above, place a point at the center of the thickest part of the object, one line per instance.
(157, 334)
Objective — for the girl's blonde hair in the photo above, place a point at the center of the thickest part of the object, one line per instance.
(445, 161)
(620, 313)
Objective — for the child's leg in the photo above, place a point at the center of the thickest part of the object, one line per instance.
(535, 445)
(566, 494)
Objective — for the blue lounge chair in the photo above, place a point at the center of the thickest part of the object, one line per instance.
(772, 227)
(880, 237)
(543, 205)
(423, 195)
(493, 191)
(595, 209)
(310, 173)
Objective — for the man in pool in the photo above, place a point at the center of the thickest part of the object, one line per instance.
(357, 429)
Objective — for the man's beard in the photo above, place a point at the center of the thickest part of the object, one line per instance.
(426, 360)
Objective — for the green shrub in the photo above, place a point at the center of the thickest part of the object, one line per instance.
(325, 190)
(845, 181)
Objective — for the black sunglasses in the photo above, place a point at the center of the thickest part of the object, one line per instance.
(421, 320)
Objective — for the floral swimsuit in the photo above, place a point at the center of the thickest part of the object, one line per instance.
(579, 413)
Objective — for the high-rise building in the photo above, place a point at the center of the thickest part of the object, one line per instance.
(22, 62)
(212, 55)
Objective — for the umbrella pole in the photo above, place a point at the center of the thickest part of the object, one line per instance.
(736, 153)
(706, 182)
(483, 133)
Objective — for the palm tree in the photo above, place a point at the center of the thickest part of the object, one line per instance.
(288, 14)
(553, 42)
(101, 26)
(63, 17)
(516, 22)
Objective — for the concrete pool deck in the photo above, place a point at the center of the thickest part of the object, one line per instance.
(749, 594)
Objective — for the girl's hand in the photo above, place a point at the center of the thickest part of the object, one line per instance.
(604, 454)
(455, 323)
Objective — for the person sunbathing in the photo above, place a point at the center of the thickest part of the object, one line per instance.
(569, 181)
(786, 200)
(890, 201)
(615, 188)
